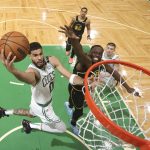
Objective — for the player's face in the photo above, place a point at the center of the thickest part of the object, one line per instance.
(110, 50)
(83, 13)
(96, 54)
(37, 58)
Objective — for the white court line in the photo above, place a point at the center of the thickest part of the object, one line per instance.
(9, 132)
(16, 83)
(10, 20)
(19, 127)
(134, 28)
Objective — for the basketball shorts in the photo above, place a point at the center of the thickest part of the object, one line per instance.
(46, 114)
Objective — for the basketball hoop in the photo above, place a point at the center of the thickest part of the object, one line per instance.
(130, 128)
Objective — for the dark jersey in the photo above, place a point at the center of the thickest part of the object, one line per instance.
(79, 73)
(82, 74)
(79, 26)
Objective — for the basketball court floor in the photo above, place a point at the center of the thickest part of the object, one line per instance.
(126, 23)
(12, 136)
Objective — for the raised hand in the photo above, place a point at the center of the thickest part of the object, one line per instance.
(135, 92)
(8, 62)
(68, 32)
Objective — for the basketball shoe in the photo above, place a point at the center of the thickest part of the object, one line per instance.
(75, 129)
(69, 110)
(2, 112)
(26, 126)
(70, 60)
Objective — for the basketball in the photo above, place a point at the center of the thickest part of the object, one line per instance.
(15, 42)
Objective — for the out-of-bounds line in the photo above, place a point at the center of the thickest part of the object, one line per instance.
(19, 127)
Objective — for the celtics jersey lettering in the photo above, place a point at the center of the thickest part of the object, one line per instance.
(42, 91)
(79, 26)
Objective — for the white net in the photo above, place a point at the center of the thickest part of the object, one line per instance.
(130, 112)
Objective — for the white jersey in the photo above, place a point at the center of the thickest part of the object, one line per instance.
(114, 57)
(42, 91)
(106, 77)
(105, 57)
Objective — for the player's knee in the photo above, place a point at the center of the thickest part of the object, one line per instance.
(61, 127)
(64, 128)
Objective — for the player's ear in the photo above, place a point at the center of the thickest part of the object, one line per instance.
(29, 56)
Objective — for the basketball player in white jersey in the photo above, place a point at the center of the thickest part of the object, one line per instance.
(109, 54)
(40, 74)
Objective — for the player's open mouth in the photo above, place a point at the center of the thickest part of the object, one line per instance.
(40, 63)
(95, 59)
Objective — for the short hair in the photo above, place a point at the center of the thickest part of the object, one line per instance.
(111, 44)
(97, 46)
(84, 8)
(35, 46)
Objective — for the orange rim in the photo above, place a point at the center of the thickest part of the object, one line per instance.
(104, 120)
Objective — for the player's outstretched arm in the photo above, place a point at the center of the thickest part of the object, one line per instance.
(28, 77)
(118, 77)
(82, 57)
(73, 79)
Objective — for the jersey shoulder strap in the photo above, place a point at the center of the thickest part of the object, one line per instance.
(47, 58)
(85, 19)
(115, 57)
(77, 18)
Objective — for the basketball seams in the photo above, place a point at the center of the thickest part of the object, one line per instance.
(7, 35)
(6, 42)
(11, 49)
(2, 44)
(17, 43)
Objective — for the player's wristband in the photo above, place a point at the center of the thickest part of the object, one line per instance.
(71, 79)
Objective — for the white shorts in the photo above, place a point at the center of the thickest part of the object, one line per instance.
(108, 79)
(46, 114)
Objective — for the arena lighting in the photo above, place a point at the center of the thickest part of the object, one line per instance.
(148, 107)
(124, 73)
(61, 37)
(44, 16)
(63, 44)
(93, 34)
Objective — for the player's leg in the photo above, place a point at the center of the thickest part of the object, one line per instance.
(19, 112)
(78, 99)
(68, 46)
(69, 104)
(50, 121)
(53, 127)
(72, 53)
